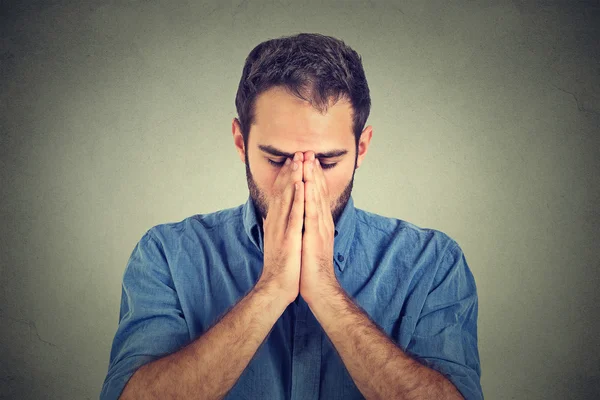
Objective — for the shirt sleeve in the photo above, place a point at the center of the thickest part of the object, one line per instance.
(445, 335)
(151, 322)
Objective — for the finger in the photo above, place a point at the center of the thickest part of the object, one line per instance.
(318, 194)
(310, 210)
(323, 191)
(319, 175)
(282, 178)
(296, 218)
(297, 174)
(294, 174)
(308, 167)
(285, 172)
(312, 194)
(281, 190)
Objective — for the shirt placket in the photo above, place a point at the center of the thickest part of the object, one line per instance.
(306, 355)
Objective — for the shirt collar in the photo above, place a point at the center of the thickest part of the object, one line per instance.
(344, 230)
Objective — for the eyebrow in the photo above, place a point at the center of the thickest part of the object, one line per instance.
(278, 153)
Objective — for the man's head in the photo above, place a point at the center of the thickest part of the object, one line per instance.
(301, 93)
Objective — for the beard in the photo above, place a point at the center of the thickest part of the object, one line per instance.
(261, 203)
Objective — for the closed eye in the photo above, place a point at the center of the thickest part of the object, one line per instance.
(279, 164)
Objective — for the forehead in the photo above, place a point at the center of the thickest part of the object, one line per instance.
(292, 124)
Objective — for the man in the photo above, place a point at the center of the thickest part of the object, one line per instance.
(297, 294)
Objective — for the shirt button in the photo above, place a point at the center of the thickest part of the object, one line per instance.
(340, 257)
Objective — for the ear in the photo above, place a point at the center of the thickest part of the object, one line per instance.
(238, 139)
(363, 144)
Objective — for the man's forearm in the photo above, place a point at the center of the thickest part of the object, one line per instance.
(208, 367)
(379, 368)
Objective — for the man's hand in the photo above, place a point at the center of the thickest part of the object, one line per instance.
(317, 275)
(283, 231)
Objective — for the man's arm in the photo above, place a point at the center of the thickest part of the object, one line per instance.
(208, 367)
(379, 368)
(443, 340)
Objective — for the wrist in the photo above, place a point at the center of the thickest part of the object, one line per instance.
(274, 290)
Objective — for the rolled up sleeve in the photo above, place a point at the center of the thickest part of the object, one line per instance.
(445, 334)
(151, 322)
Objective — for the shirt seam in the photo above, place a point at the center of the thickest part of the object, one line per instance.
(370, 224)
(152, 236)
(201, 217)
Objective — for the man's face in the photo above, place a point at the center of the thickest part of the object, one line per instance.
(287, 124)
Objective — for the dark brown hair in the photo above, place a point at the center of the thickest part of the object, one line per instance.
(311, 66)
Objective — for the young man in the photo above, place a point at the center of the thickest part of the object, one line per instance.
(297, 294)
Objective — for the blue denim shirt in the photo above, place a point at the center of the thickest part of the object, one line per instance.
(413, 282)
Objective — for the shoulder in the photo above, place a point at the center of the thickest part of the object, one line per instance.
(402, 232)
(197, 224)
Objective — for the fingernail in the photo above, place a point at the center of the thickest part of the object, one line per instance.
(287, 161)
(295, 166)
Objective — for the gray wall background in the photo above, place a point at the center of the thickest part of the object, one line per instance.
(116, 116)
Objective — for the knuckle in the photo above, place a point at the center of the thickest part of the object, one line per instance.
(312, 216)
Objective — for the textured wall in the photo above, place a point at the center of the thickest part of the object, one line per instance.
(116, 116)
